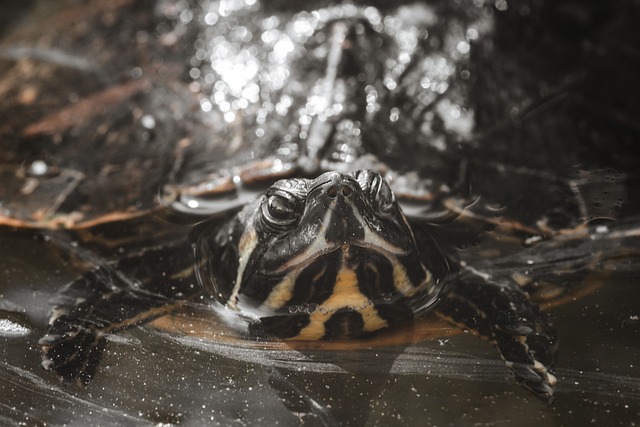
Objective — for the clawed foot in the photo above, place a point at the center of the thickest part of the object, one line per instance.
(71, 350)
(503, 313)
(521, 352)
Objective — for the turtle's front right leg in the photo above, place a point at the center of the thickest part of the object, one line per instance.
(503, 313)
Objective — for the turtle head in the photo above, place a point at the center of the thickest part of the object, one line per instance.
(322, 258)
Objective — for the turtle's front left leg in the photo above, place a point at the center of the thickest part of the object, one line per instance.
(107, 299)
(503, 313)
(85, 312)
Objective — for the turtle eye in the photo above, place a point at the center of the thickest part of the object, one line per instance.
(279, 211)
(376, 187)
(385, 198)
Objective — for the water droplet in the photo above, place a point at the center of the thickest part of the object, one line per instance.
(229, 116)
(206, 105)
(38, 168)
(463, 47)
(394, 114)
(148, 121)
(501, 5)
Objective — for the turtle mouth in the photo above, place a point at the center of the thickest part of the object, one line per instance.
(312, 254)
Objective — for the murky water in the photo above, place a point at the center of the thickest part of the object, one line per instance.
(537, 98)
(151, 376)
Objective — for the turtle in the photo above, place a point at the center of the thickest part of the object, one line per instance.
(325, 258)
(108, 298)
(329, 258)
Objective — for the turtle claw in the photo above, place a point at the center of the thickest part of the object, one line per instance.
(528, 347)
(535, 378)
(520, 354)
(71, 351)
(515, 329)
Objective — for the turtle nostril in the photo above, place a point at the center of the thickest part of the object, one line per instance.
(332, 191)
(346, 191)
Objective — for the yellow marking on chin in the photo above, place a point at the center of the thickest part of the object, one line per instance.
(345, 294)
(401, 280)
(372, 322)
(281, 293)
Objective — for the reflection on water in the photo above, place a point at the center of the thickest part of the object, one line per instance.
(534, 97)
